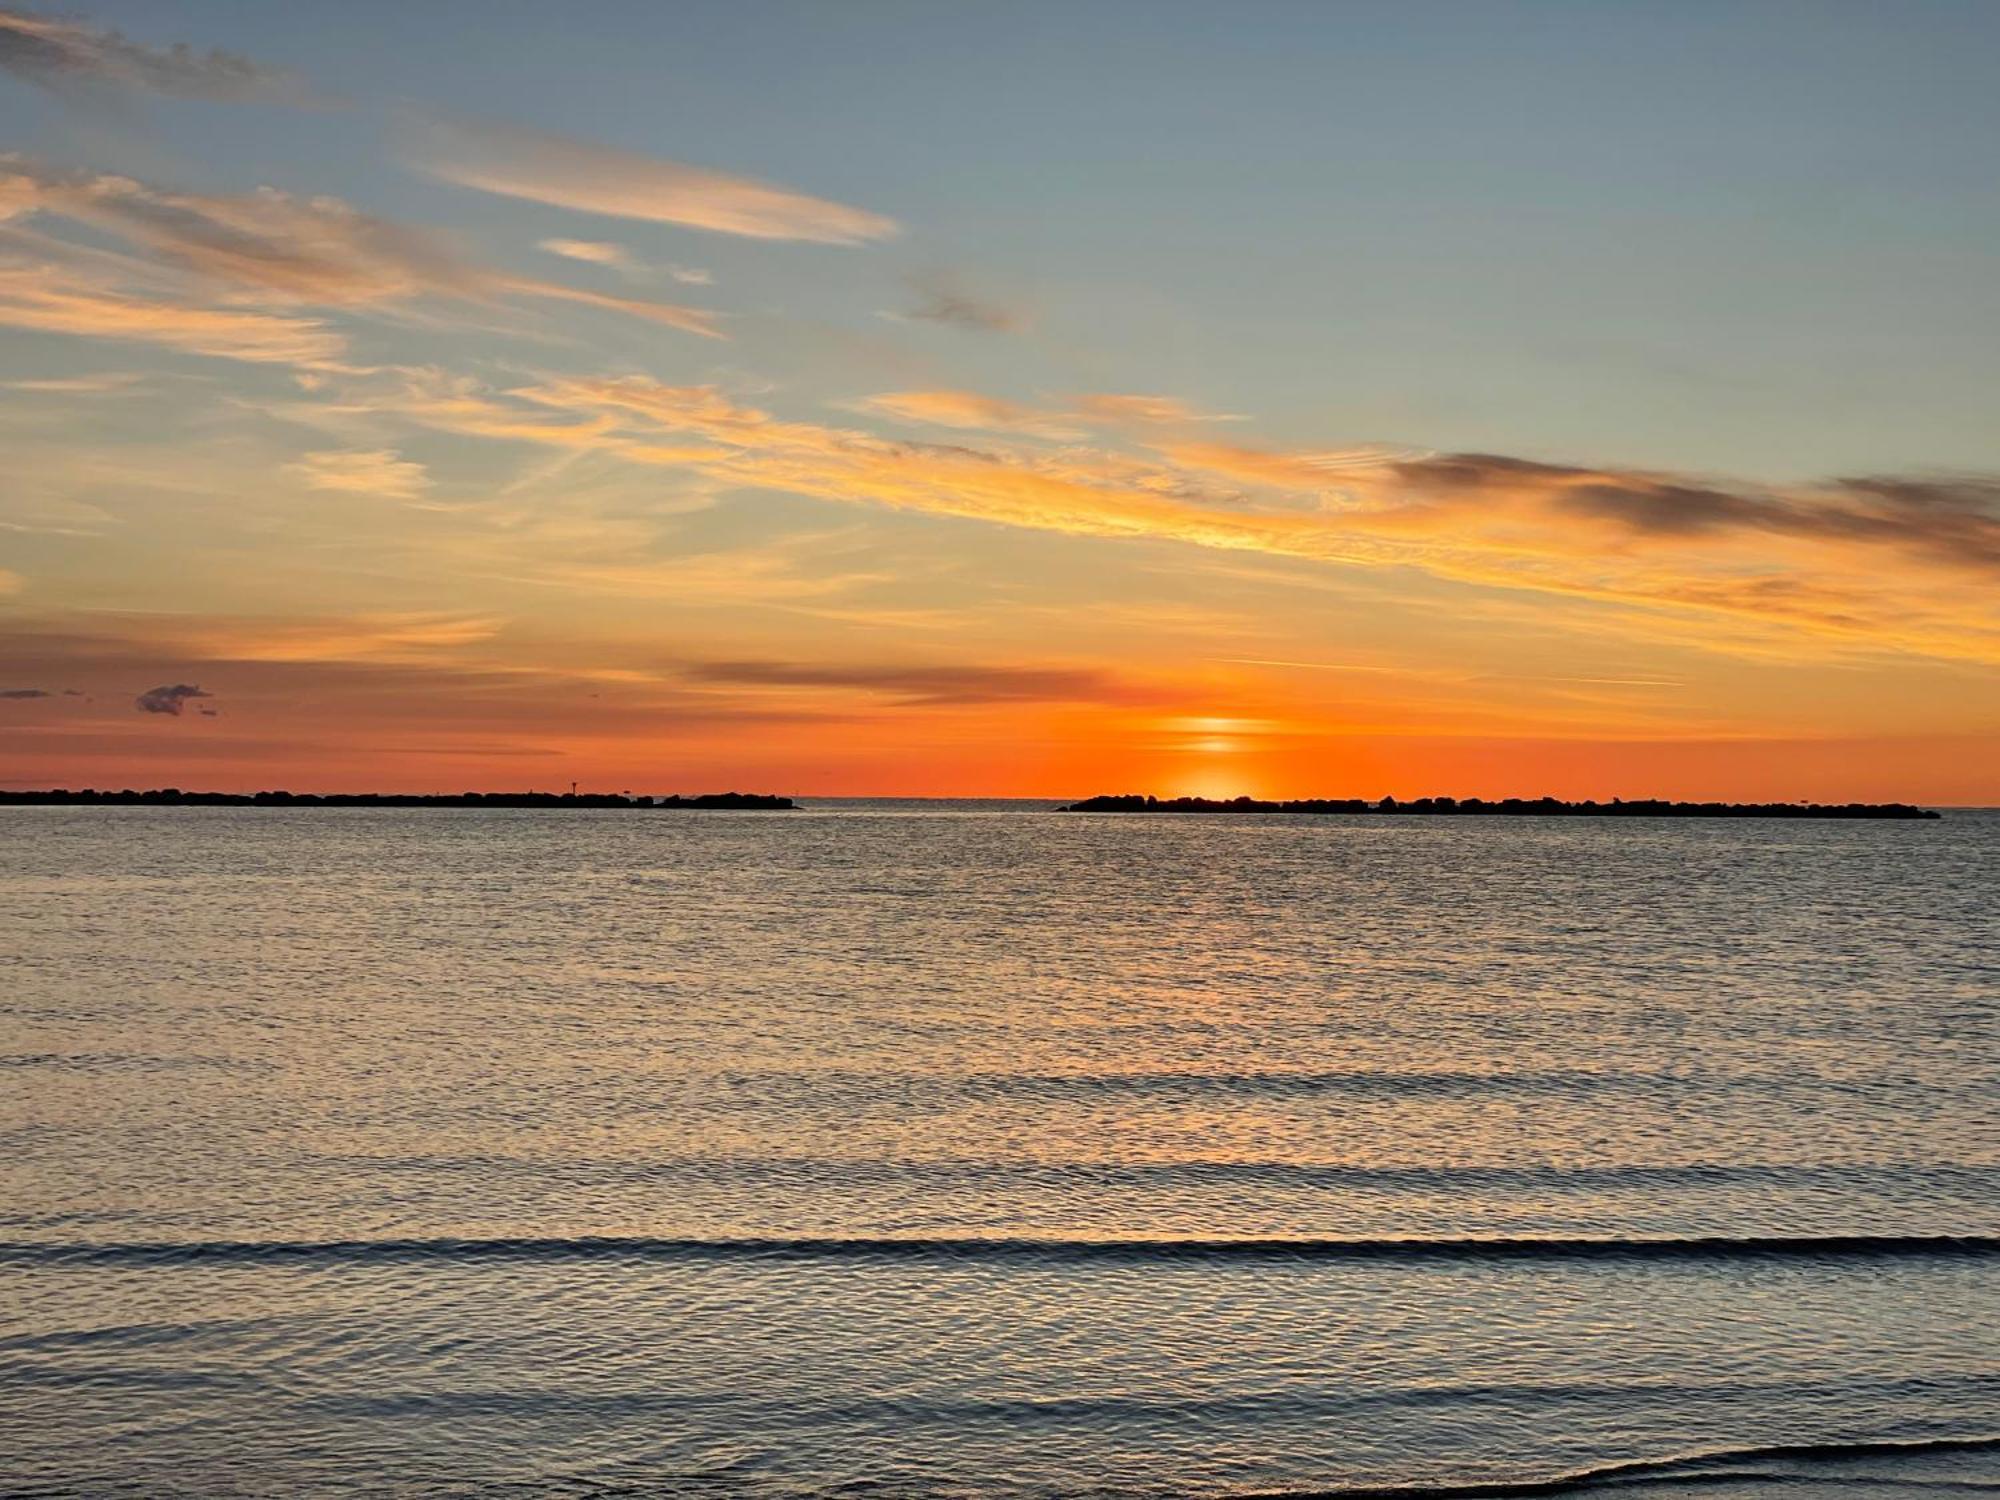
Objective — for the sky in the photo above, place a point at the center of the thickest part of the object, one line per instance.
(1341, 399)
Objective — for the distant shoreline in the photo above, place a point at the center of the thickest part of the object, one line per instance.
(174, 797)
(1544, 807)
(765, 802)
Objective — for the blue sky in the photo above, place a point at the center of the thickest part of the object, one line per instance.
(1748, 238)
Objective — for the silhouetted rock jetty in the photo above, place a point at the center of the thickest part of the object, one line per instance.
(1537, 807)
(175, 797)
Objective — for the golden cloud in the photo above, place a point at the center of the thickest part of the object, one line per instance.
(967, 410)
(381, 472)
(1862, 565)
(49, 299)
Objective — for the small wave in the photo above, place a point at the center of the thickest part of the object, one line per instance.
(1072, 1172)
(1690, 1468)
(1284, 1085)
(957, 1412)
(981, 1249)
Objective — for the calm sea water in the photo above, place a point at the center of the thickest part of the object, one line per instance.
(953, 1151)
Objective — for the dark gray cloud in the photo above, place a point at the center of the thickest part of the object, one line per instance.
(23, 693)
(1954, 520)
(944, 301)
(1641, 502)
(925, 686)
(172, 699)
(1663, 509)
(53, 53)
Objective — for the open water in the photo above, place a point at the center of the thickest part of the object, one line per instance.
(975, 1152)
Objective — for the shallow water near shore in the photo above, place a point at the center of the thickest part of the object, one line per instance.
(961, 1150)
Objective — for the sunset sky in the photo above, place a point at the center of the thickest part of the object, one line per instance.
(1018, 400)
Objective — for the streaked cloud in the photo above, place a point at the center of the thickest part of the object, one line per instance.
(411, 636)
(104, 383)
(22, 695)
(517, 162)
(946, 684)
(1160, 411)
(50, 299)
(595, 252)
(381, 472)
(58, 53)
(968, 410)
(622, 260)
(1951, 521)
(1068, 420)
(1310, 472)
(1832, 561)
(282, 249)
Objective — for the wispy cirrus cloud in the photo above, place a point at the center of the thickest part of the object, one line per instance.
(381, 472)
(54, 299)
(1154, 411)
(408, 636)
(281, 249)
(518, 162)
(113, 641)
(1858, 565)
(103, 383)
(952, 684)
(1068, 420)
(1310, 472)
(624, 261)
(969, 411)
(58, 53)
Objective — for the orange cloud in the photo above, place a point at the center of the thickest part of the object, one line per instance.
(968, 410)
(620, 259)
(944, 684)
(1163, 411)
(51, 300)
(273, 247)
(414, 636)
(1834, 562)
(1311, 472)
(1067, 422)
(381, 472)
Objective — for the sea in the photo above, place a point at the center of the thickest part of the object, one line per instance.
(974, 1151)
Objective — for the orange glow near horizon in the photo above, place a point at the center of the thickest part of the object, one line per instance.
(841, 748)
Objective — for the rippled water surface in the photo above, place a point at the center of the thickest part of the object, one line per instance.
(972, 1152)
